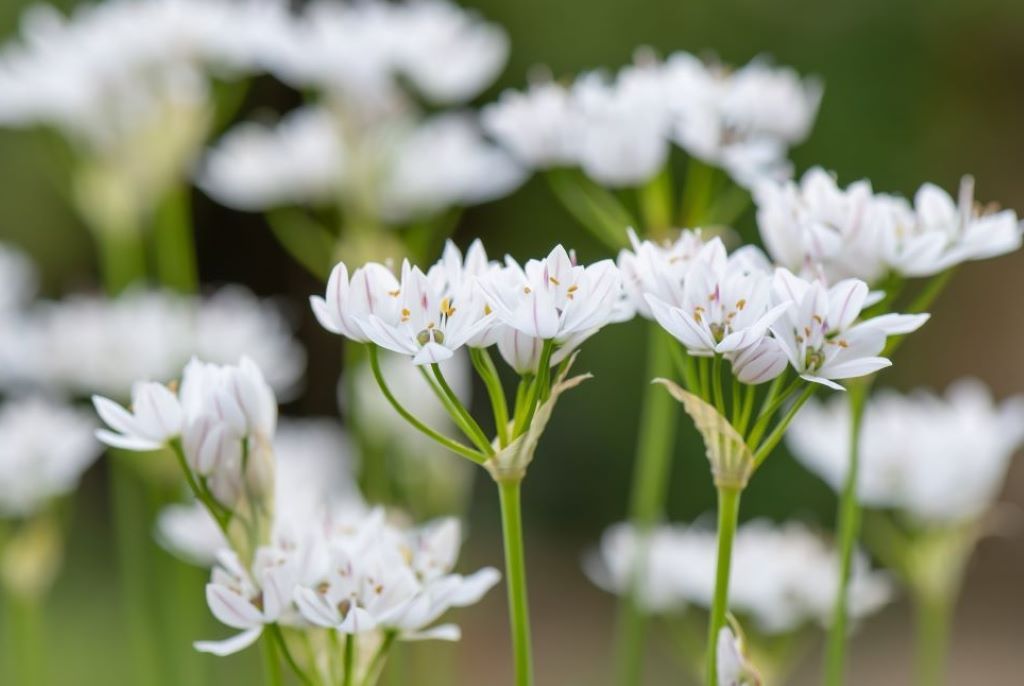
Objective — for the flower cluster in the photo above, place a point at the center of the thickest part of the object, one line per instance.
(619, 130)
(471, 301)
(85, 344)
(783, 577)
(854, 232)
(936, 460)
(759, 318)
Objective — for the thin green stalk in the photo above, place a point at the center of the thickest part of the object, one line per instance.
(932, 626)
(271, 662)
(174, 242)
(716, 384)
(475, 433)
(922, 302)
(686, 367)
(376, 665)
(749, 395)
(122, 255)
(131, 531)
(697, 193)
(536, 393)
(515, 575)
(25, 654)
(484, 366)
(763, 450)
(349, 668)
(764, 418)
(655, 444)
(849, 527)
(457, 417)
(282, 646)
(597, 209)
(452, 445)
(655, 199)
(704, 374)
(728, 518)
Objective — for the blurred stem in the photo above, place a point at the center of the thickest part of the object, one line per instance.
(25, 639)
(131, 530)
(348, 677)
(174, 242)
(515, 574)
(697, 193)
(271, 662)
(728, 518)
(849, 526)
(932, 622)
(122, 254)
(655, 444)
(305, 239)
(655, 199)
(376, 666)
(594, 207)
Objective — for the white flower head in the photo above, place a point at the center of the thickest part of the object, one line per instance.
(820, 333)
(44, 449)
(936, 459)
(372, 290)
(539, 126)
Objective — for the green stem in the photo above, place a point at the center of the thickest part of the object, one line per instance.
(348, 676)
(697, 194)
(764, 449)
(484, 366)
(376, 666)
(122, 255)
(655, 198)
(174, 242)
(728, 518)
(474, 432)
(932, 624)
(535, 395)
(716, 384)
(25, 640)
(131, 531)
(654, 448)
(454, 446)
(849, 527)
(515, 574)
(282, 646)
(271, 662)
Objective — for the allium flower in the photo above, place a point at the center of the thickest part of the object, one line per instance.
(820, 333)
(725, 306)
(156, 418)
(935, 459)
(372, 290)
(44, 449)
(659, 270)
(553, 298)
(84, 345)
(538, 126)
(256, 167)
(782, 578)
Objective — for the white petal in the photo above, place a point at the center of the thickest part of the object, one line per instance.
(231, 645)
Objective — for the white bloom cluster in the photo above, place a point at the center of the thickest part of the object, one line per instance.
(759, 318)
(934, 459)
(782, 577)
(86, 344)
(17, 280)
(313, 475)
(223, 416)
(363, 578)
(477, 303)
(854, 232)
(44, 449)
(619, 130)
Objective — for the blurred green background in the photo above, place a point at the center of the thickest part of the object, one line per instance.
(915, 90)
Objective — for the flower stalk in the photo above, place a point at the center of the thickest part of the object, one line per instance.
(515, 571)
(728, 518)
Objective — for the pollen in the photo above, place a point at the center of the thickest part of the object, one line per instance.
(406, 314)
(741, 303)
(487, 310)
(395, 293)
(527, 290)
(446, 307)
(554, 281)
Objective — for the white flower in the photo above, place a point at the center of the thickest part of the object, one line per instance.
(660, 270)
(44, 448)
(255, 167)
(431, 323)
(314, 478)
(937, 459)
(760, 362)
(820, 333)
(622, 134)
(445, 162)
(539, 127)
(733, 666)
(372, 290)
(725, 307)
(782, 577)
(155, 418)
(553, 298)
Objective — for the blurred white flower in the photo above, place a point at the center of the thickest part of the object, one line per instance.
(313, 469)
(783, 577)
(935, 459)
(733, 665)
(360, 52)
(155, 418)
(301, 160)
(539, 127)
(820, 333)
(85, 344)
(44, 449)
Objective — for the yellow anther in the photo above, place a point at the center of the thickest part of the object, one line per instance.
(395, 293)
(406, 314)
(741, 303)
(554, 280)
